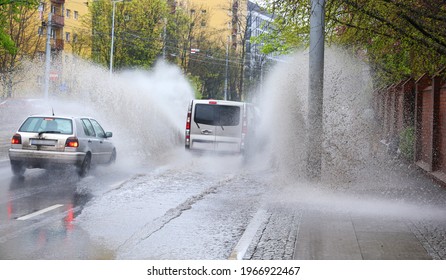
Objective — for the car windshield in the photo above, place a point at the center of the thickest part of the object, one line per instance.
(47, 125)
(221, 115)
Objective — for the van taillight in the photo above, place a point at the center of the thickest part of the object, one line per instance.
(244, 129)
(212, 102)
(188, 120)
(16, 139)
(72, 142)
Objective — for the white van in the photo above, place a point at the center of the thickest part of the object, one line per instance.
(218, 125)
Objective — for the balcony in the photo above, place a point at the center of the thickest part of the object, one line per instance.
(57, 44)
(58, 21)
(58, 1)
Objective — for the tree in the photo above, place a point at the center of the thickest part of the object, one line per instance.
(200, 57)
(18, 39)
(138, 32)
(399, 37)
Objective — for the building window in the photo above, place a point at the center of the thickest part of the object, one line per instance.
(53, 34)
(75, 38)
(68, 13)
(67, 36)
(40, 31)
(53, 9)
(76, 15)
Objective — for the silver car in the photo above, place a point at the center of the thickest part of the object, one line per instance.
(53, 141)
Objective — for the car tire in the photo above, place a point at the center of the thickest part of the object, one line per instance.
(18, 169)
(85, 166)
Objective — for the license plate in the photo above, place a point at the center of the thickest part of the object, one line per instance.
(43, 142)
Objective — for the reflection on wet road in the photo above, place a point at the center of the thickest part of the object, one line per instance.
(37, 213)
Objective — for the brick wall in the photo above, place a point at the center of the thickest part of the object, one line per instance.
(421, 104)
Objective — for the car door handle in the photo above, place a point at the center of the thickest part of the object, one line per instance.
(89, 141)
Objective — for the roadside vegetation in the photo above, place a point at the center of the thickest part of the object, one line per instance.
(398, 38)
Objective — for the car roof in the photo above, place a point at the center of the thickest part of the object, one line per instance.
(218, 102)
(59, 116)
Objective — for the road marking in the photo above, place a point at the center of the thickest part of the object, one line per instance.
(242, 246)
(29, 216)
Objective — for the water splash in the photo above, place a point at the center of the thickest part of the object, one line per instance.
(145, 110)
(348, 117)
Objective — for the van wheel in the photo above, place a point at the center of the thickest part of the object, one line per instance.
(17, 168)
(85, 166)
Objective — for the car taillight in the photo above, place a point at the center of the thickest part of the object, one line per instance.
(72, 142)
(16, 139)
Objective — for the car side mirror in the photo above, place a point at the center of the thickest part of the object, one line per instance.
(108, 134)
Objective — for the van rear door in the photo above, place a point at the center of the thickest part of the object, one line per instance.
(228, 128)
(216, 126)
(202, 131)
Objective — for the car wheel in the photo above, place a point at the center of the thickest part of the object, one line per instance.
(85, 166)
(17, 168)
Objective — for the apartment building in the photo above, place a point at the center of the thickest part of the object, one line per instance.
(66, 24)
(67, 38)
(226, 18)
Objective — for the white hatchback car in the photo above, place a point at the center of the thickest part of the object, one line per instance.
(54, 141)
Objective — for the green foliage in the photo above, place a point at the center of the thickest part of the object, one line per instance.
(6, 43)
(196, 84)
(407, 141)
(290, 28)
(137, 33)
(398, 38)
(10, 9)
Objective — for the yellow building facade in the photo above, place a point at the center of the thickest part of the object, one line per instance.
(67, 25)
(69, 38)
(226, 18)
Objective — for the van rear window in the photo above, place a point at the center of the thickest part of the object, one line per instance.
(221, 115)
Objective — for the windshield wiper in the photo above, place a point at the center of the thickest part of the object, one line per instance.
(197, 124)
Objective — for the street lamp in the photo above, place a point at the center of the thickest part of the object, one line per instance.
(113, 32)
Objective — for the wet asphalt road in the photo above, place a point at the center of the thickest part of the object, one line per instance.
(37, 213)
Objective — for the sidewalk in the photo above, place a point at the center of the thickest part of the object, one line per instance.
(395, 214)
(325, 236)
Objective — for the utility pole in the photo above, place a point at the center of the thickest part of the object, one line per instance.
(112, 37)
(226, 68)
(113, 32)
(316, 89)
(164, 38)
(48, 56)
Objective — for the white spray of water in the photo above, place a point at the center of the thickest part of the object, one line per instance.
(348, 119)
(356, 176)
(145, 110)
